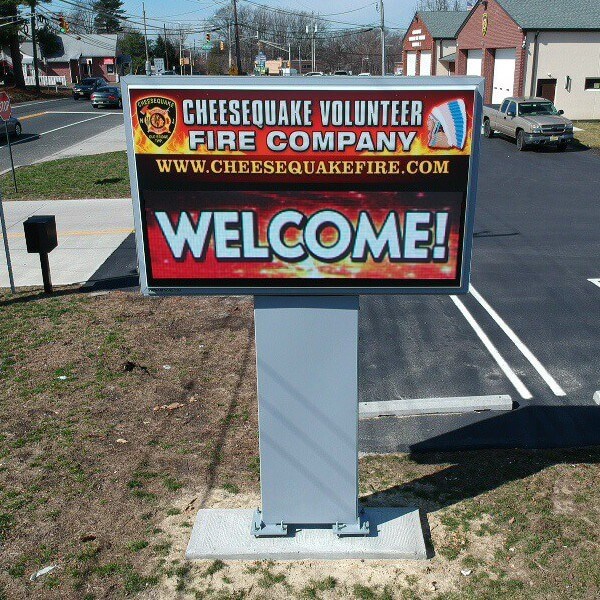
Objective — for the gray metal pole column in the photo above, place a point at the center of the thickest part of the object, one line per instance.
(307, 352)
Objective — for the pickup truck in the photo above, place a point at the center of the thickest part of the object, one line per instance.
(531, 121)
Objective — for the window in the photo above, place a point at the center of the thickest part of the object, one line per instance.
(592, 83)
(537, 108)
(504, 106)
(110, 69)
(512, 109)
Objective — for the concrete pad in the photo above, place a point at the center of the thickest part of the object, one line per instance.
(396, 533)
(432, 406)
(89, 231)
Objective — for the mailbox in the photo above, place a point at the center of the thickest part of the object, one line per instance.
(40, 237)
(40, 234)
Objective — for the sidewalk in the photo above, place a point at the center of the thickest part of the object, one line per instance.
(89, 231)
(111, 140)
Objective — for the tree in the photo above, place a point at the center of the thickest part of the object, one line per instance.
(131, 42)
(440, 5)
(9, 36)
(81, 17)
(166, 49)
(109, 16)
(49, 43)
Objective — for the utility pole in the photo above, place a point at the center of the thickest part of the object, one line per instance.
(34, 44)
(382, 37)
(229, 42)
(192, 59)
(166, 46)
(180, 50)
(148, 66)
(313, 31)
(237, 39)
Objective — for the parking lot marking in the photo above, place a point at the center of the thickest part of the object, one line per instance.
(72, 112)
(26, 104)
(506, 369)
(69, 125)
(595, 281)
(525, 351)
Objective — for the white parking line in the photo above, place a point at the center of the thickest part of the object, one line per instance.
(75, 112)
(65, 126)
(512, 376)
(15, 106)
(525, 351)
(595, 281)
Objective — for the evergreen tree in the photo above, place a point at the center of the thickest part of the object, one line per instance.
(109, 15)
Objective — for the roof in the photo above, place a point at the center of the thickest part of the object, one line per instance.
(553, 14)
(449, 57)
(74, 46)
(443, 24)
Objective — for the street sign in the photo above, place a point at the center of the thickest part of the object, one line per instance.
(207, 47)
(304, 187)
(5, 108)
(159, 65)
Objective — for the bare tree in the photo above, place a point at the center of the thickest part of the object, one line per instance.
(81, 17)
(440, 5)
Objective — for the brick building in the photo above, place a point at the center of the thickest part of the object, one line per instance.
(548, 48)
(89, 55)
(429, 46)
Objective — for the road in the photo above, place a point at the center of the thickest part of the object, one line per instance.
(50, 126)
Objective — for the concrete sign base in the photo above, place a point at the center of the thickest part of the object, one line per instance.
(396, 533)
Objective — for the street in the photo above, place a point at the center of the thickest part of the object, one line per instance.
(50, 126)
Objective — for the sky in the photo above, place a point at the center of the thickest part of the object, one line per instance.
(398, 13)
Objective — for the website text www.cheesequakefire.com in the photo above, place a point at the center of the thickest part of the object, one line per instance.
(228, 166)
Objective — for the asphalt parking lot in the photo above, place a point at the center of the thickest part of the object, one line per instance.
(50, 126)
(536, 247)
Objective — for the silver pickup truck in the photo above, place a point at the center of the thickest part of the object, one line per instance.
(531, 121)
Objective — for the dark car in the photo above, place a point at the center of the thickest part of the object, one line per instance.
(107, 96)
(14, 127)
(87, 87)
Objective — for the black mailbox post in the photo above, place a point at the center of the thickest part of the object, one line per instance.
(40, 237)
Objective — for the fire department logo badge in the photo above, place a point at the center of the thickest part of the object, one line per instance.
(157, 117)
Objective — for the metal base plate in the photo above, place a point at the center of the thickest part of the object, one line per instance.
(395, 533)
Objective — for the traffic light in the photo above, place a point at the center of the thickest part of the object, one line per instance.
(208, 37)
(222, 45)
(63, 25)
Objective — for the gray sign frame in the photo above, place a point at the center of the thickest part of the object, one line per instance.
(474, 84)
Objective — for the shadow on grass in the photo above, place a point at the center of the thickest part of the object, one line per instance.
(470, 473)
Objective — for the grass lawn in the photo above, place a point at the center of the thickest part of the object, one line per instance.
(27, 95)
(121, 416)
(99, 176)
(590, 136)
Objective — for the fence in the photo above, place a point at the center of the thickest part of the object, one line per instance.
(47, 80)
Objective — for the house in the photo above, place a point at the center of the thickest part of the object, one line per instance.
(429, 46)
(80, 55)
(547, 48)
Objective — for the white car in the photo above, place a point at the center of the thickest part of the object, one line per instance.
(314, 74)
(364, 74)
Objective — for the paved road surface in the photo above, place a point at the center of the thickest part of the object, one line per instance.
(50, 126)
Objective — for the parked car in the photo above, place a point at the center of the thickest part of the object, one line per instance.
(88, 86)
(531, 121)
(14, 127)
(107, 96)
(168, 73)
(314, 74)
(364, 74)
(342, 72)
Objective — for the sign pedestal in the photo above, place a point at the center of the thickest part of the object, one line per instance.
(307, 359)
(306, 356)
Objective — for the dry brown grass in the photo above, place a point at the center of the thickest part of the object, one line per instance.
(95, 480)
